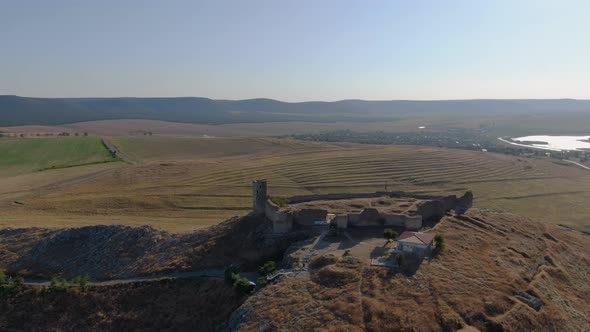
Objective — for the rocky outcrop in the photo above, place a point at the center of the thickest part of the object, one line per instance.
(112, 252)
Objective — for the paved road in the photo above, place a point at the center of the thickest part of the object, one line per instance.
(179, 275)
(575, 163)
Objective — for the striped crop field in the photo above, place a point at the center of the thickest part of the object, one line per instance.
(186, 183)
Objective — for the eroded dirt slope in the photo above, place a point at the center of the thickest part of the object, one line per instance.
(111, 252)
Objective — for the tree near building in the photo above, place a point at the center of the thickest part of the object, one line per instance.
(389, 234)
(439, 244)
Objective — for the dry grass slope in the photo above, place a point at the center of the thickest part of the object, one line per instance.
(187, 183)
(490, 259)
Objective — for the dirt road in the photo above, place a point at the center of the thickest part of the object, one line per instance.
(179, 275)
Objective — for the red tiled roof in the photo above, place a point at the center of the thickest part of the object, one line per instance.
(421, 237)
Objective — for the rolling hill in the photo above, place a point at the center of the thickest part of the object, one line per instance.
(15, 110)
(181, 183)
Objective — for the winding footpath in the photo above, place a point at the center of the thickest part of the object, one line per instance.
(178, 275)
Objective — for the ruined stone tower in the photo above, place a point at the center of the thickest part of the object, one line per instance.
(259, 195)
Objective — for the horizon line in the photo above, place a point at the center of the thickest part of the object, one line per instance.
(305, 101)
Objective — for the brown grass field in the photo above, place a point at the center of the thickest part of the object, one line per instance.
(182, 183)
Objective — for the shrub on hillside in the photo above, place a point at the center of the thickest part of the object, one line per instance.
(268, 268)
(260, 282)
(59, 284)
(243, 286)
(230, 275)
(280, 201)
(389, 234)
(439, 244)
(82, 282)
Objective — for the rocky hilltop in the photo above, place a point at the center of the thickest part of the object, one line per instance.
(499, 272)
(113, 252)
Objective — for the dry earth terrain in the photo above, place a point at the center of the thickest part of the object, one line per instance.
(499, 272)
(167, 305)
(182, 183)
(118, 252)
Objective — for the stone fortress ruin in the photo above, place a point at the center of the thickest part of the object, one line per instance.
(391, 209)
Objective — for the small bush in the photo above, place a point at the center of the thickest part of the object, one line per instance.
(230, 275)
(82, 282)
(59, 284)
(243, 286)
(18, 281)
(280, 201)
(439, 244)
(260, 282)
(389, 234)
(268, 268)
(346, 253)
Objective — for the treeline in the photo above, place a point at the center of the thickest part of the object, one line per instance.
(39, 135)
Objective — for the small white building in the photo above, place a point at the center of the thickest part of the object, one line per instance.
(414, 243)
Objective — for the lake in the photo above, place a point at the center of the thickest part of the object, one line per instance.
(554, 143)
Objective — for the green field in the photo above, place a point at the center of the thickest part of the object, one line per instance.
(27, 155)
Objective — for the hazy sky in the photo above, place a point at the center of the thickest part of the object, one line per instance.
(296, 50)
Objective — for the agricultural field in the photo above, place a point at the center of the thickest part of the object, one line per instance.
(180, 183)
(28, 155)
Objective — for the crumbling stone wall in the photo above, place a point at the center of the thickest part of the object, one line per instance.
(413, 223)
(437, 208)
(396, 220)
(341, 221)
(369, 217)
(282, 222)
(308, 217)
(401, 220)
(432, 209)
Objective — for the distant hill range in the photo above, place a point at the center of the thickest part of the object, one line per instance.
(15, 110)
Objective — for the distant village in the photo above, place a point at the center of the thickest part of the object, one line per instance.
(459, 138)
